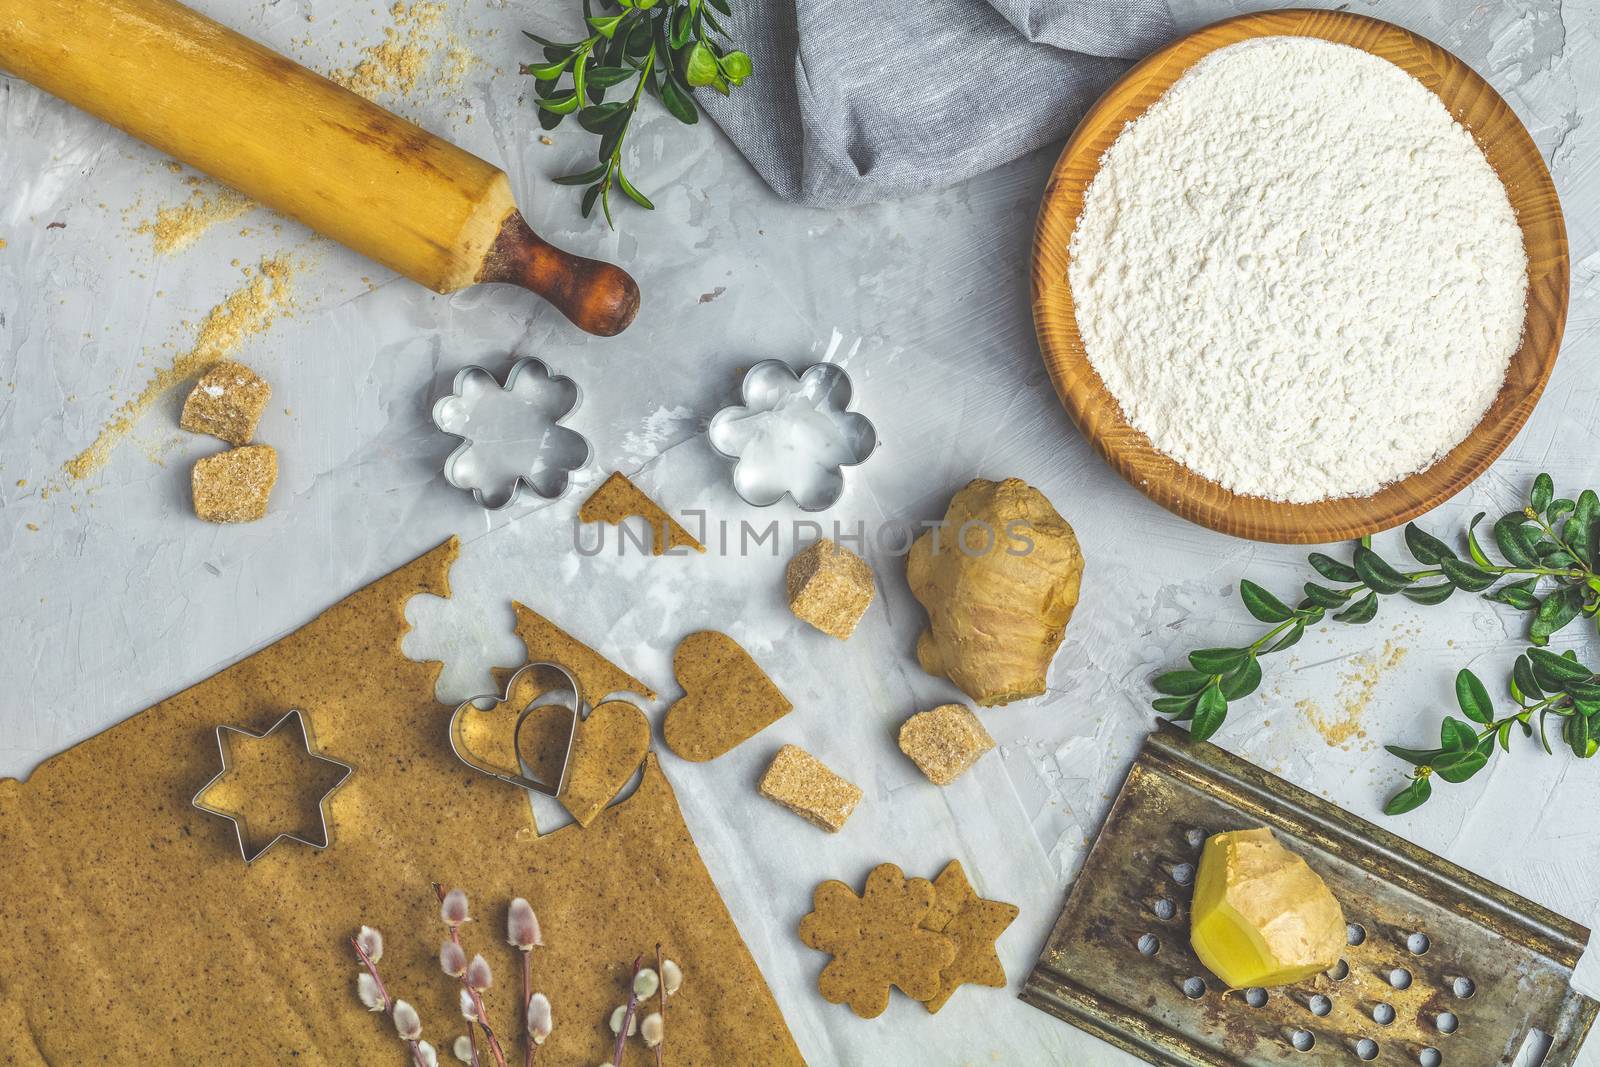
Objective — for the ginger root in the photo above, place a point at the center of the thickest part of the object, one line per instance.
(999, 581)
(1261, 915)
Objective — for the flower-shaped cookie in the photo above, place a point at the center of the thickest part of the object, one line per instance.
(877, 940)
(792, 435)
(511, 434)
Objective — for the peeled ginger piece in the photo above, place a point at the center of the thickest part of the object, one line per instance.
(1261, 916)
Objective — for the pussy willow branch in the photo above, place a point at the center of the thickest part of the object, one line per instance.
(477, 998)
(388, 1001)
(627, 1017)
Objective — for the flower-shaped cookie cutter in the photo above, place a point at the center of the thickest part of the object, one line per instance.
(511, 434)
(793, 435)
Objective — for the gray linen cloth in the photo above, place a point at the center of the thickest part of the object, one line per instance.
(859, 100)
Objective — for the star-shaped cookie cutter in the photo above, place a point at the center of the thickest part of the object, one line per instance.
(550, 696)
(238, 819)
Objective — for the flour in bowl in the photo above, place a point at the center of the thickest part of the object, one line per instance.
(1297, 274)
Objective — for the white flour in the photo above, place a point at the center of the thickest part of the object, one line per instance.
(1297, 274)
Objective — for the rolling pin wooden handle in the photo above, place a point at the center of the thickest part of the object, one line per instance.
(598, 297)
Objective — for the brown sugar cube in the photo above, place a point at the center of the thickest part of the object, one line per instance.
(944, 742)
(233, 486)
(226, 402)
(798, 780)
(830, 587)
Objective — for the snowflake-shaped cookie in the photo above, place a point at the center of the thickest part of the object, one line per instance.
(877, 940)
(511, 434)
(793, 435)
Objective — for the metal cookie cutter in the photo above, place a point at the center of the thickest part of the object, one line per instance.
(488, 702)
(510, 433)
(793, 435)
(240, 826)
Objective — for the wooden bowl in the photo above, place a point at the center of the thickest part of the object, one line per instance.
(1533, 197)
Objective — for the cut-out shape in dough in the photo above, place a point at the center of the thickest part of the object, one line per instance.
(974, 924)
(607, 748)
(618, 499)
(877, 940)
(608, 743)
(727, 698)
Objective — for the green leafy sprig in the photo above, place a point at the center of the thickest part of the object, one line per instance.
(1551, 549)
(1543, 684)
(667, 48)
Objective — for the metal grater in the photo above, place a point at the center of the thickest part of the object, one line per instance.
(1443, 969)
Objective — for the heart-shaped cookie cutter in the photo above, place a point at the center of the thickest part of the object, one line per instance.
(464, 753)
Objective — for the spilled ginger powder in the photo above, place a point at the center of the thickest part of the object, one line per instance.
(177, 227)
(1297, 274)
(1358, 687)
(399, 63)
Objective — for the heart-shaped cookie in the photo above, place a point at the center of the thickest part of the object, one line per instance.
(607, 748)
(727, 698)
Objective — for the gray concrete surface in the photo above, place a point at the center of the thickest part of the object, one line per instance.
(112, 595)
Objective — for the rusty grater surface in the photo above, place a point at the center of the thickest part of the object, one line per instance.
(1492, 966)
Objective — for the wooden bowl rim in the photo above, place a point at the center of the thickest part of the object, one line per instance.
(1196, 498)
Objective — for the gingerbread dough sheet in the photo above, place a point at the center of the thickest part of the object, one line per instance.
(135, 934)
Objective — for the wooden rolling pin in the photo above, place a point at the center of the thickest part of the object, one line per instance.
(300, 144)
